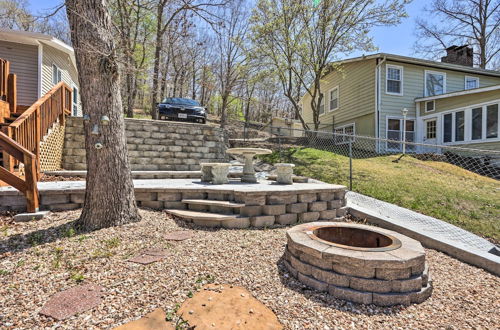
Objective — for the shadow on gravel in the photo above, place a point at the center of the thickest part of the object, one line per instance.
(326, 300)
(23, 241)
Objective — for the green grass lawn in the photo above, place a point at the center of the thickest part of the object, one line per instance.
(437, 189)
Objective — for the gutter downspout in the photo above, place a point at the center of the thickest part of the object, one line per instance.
(378, 98)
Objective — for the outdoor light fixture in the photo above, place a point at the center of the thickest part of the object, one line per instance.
(98, 145)
(95, 130)
(105, 120)
(86, 117)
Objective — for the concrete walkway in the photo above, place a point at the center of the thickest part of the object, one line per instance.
(431, 232)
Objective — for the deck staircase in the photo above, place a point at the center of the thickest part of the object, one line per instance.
(23, 129)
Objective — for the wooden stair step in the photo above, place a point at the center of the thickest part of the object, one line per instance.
(208, 219)
(210, 202)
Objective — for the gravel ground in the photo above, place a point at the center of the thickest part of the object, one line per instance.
(39, 259)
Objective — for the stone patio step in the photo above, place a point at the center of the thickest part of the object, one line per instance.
(208, 219)
(210, 202)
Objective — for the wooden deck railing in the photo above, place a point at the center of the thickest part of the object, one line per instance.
(34, 123)
(27, 185)
(4, 76)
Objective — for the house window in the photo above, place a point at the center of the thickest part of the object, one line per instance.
(492, 121)
(56, 75)
(430, 106)
(394, 83)
(435, 83)
(334, 99)
(430, 129)
(447, 127)
(471, 82)
(341, 132)
(75, 101)
(322, 104)
(459, 126)
(477, 124)
(395, 132)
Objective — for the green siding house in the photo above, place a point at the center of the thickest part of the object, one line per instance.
(366, 95)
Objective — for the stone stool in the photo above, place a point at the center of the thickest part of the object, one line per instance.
(206, 172)
(284, 173)
(220, 171)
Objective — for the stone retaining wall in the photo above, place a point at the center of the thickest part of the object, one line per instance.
(154, 145)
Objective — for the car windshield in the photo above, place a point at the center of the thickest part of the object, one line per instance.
(178, 100)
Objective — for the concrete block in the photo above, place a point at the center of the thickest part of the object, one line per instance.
(262, 221)
(146, 196)
(296, 208)
(391, 299)
(155, 205)
(327, 215)
(300, 266)
(392, 273)
(326, 196)
(371, 285)
(308, 216)
(364, 272)
(281, 199)
(49, 199)
(335, 204)
(312, 283)
(64, 206)
(342, 212)
(286, 219)
(274, 209)
(251, 211)
(340, 194)
(359, 297)
(24, 217)
(317, 206)
(175, 205)
(237, 223)
(193, 195)
(77, 198)
(330, 277)
(307, 198)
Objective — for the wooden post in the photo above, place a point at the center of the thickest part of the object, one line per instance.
(63, 106)
(37, 141)
(31, 193)
(12, 92)
(8, 160)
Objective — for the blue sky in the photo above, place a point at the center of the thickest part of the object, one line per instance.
(393, 39)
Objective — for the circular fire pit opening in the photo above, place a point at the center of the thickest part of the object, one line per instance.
(359, 263)
(356, 238)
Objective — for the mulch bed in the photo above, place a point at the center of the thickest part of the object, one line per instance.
(40, 259)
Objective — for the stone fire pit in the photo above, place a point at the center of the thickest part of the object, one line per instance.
(359, 263)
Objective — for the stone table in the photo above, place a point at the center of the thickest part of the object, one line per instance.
(249, 154)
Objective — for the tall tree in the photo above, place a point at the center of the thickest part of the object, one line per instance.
(301, 39)
(458, 22)
(231, 34)
(109, 194)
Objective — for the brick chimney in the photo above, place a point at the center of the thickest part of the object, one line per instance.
(461, 55)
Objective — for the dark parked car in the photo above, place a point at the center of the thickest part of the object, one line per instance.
(176, 108)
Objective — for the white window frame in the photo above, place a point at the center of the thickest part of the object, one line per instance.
(401, 123)
(470, 77)
(330, 98)
(73, 105)
(468, 124)
(59, 73)
(433, 106)
(343, 139)
(426, 72)
(401, 69)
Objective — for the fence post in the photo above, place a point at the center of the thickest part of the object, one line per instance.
(279, 141)
(350, 164)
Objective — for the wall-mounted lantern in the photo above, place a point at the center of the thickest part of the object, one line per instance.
(95, 130)
(105, 120)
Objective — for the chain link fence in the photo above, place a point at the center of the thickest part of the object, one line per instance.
(287, 141)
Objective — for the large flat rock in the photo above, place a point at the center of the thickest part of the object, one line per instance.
(156, 320)
(227, 307)
(73, 301)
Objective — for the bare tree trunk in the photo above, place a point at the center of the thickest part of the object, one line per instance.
(109, 195)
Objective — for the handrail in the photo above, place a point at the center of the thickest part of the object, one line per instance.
(28, 186)
(36, 121)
